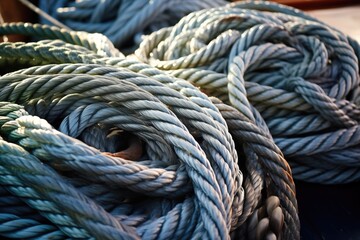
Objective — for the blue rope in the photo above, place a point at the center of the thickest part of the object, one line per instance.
(122, 21)
(155, 157)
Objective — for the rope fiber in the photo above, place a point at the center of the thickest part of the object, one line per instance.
(122, 21)
(196, 135)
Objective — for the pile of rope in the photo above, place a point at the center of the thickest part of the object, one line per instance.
(300, 74)
(98, 145)
(122, 20)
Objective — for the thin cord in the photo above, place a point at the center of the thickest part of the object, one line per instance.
(4, 37)
(44, 14)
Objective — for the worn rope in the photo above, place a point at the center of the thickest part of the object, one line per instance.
(166, 131)
(92, 41)
(136, 98)
(300, 74)
(122, 20)
(275, 87)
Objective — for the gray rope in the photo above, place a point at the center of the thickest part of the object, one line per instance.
(122, 20)
(244, 130)
(195, 120)
(58, 91)
(46, 136)
(95, 42)
(300, 74)
(55, 94)
(205, 167)
(42, 182)
(44, 80)
(133, 103)
(18, 227)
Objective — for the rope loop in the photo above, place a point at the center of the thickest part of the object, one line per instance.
(299, 73)
(197, 135)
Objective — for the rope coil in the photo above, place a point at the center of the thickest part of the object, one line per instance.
(210, 165)
(300, 74)
(122, 20)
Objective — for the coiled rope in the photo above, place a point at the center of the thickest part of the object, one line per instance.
(194, 187)
(300, 74)
(122, 20)
(211, 167)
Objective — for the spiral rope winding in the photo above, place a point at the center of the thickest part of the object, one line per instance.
(197, 135)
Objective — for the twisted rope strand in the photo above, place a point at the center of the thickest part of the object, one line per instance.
(183, 109)
(226, 93)
(122, 21)
(148, 113)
